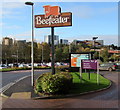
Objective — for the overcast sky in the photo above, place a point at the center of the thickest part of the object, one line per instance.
(89, 19)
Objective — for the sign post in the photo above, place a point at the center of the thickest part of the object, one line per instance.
(98, 72)
(53, 18)
(81, 72)
(91, 64)
(53, 50)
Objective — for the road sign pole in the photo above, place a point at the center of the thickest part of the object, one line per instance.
(81, 71)
(53, 50)
(98, 72)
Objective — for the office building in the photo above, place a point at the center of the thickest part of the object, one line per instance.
(63, 41)
(48, 39)
(7, 41)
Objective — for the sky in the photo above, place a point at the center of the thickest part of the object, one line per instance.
(89, 19)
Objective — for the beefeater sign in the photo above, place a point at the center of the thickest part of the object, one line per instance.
(53, 18)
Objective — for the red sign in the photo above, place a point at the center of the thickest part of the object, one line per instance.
(52, 10)
(53, 18)
(89, 64)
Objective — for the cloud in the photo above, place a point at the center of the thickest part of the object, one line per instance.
(38, 35)
(8, 9)
(11, 5)
(81, 11)
(12, 27)
(108, 10)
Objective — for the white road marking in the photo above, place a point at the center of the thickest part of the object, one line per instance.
(3, 89)
(25, 71)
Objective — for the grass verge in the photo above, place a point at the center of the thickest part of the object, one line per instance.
(87, 85)
(21, 68)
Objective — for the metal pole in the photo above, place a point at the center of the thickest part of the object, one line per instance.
(99, 55)
(32, 54)
(81, 71)
(69, 47)
(17, 56)
(42, 53)
(53, 49)
(97, 72)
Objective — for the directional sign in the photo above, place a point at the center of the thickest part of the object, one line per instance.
(89, 64)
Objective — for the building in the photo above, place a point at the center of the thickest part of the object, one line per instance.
(48, 39)
(7, 41)
(63, 41)
(101, 42)
(20, 42)
(91, 42)
(78, 42)
(97, 42)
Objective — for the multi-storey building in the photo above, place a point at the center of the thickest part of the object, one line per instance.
(48, 39)
(63, 41)
(7, 41)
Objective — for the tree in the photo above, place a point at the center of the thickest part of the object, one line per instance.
(104, 54)
(46, 52)
(58, 54)
(65, 53)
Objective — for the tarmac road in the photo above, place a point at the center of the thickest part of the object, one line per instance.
(8, 78)
(104, 99)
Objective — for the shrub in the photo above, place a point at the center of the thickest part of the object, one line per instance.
(59, 83)
(62, 68)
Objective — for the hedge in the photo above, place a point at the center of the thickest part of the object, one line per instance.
(59, 83)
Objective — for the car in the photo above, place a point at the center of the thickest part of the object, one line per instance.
(2, 66)
(28, 65)
(21, 65)
(11, 65)
(118, 65)
(108, 66)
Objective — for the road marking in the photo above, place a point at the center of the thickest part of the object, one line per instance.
(25, 71)
(3, 89)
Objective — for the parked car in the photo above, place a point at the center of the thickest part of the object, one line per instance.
(29, 65)
(118, 65)
(108, 66)
(13, 65)
(22, 65)
(2, 66)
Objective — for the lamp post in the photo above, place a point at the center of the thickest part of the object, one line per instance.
(32, 55)
(42, 53)
(94, 39)
(69, 47)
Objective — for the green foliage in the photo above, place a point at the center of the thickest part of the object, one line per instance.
(22, 68)
(58, 54)
(59, 83)
(104, 54)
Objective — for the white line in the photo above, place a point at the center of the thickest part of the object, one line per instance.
(3, 89)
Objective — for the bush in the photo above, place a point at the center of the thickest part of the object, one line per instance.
(59, 83)
(62, 68)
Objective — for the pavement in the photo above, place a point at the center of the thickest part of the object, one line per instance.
(20, 94)
(21, 90)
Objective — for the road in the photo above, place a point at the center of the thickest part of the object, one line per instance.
(104, 99)
(13, 76)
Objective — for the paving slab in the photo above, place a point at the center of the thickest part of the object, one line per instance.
(21, 95)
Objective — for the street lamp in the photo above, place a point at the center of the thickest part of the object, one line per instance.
(69, 47)
(42, 53)
(94, 38)
(32, 55)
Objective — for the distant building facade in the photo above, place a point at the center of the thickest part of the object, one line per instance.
(63, 41)
(91, 42)
(48, 39)
(20, 42)
(7, 41)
